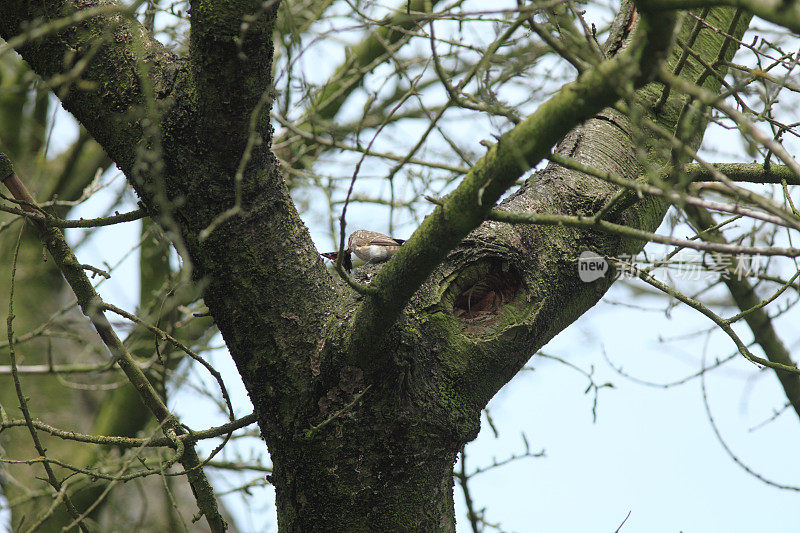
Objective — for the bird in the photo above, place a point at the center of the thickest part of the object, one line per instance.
(369, 246)
(373, 247)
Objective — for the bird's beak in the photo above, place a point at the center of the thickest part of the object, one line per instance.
(347, 263)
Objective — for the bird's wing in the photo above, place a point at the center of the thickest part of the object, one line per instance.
(383, 240)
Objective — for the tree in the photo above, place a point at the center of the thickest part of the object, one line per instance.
(366, 387)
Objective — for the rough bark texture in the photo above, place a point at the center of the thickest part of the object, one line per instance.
(353, 450)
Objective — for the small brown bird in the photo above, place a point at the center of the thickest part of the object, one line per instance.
(373, 247)
(369, 246)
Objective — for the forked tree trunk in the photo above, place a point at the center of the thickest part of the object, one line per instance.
(359, 443)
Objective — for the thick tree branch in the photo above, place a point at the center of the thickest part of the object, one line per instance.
(231, 60)
(515, 152)
(784, 13)
(107, 101)
(192, 137)
(490, 350)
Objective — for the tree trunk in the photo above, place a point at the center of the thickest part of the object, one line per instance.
(388, 479)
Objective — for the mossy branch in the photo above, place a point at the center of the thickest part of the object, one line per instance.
(752, 310)
(745, 172)
(786, 14)
(112, 43)
(593, 223)
(719, 321)
(92, 306)
(48, 220)
(515, 152)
